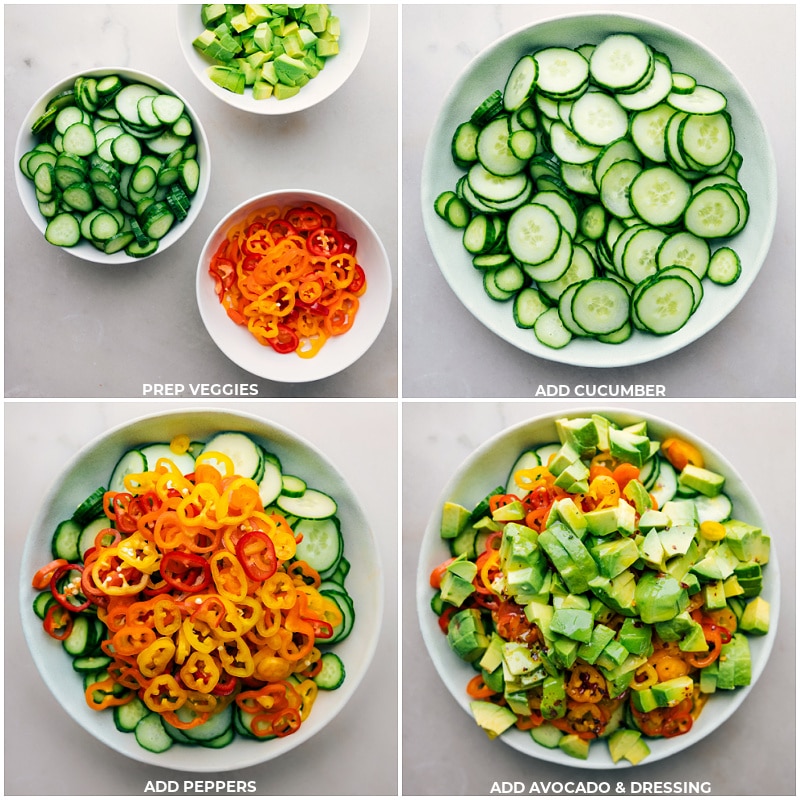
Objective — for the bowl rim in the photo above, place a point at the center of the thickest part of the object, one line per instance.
(292, 105)
(596, 356)
(322, 365)
(261, 428)
(83, 250)
(431, 635)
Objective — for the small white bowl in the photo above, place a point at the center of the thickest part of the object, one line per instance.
(91, 468)
(488, 72)
(489, 466)
(354, 31)
(85, 250)
(338, 352)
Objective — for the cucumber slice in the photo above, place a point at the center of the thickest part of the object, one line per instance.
(271, 483)
(312, 504)
(65, 541)
(153, 452)
(332, 674)
(245, 454)
(131, 462)
(321, 545)
(151, 734)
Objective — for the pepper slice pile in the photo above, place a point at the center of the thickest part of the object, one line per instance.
(203, 599)
(290, 276)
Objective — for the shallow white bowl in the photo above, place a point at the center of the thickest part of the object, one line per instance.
(84, 250)
(489, 466)
(488, 71)
(354, 32)
(338, 352)
(91, 468)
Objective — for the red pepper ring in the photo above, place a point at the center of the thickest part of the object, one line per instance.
(58, 622)
(325, 242)
(322, 628)
(287, 341)
(186, 572)
(256, 553)
(64, 599)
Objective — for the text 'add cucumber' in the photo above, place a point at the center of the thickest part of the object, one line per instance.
(601, 390)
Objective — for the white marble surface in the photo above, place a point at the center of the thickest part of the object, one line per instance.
(347, 757)
(750, 354)
(75, 329)
(445, 753)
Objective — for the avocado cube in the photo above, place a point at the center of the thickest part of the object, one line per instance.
(574, 478)
(618, 593)
(573, 745)
(565, 651)
(755, 618)
(568, 512)
(519, 660)
(575, 574)
(643, 700)
(454, 516)
(750, 578)
(677, 539)
(576, 549)
(591, 650)
(493, 655)
(681, 512)
(256, 13)
(672, 692)
(494, 719)
(289, 69)
(717, 564)
(621, 741)
(708, 678)
(638, 495)
(635, 635)
(714, 595)
(601, 521)
(572, 601)
(637, 752)
(517, 701)
(316, 16)
(494, 680)
(541, 615)
(679, 566)
(519, 547)
(579, 433)
(228, 78)
(563, 458)
(284, 91)
(702, 480)
(204, 40)
(466, 634)
(613, 655)
(746, 542)
(615, 556)
(211, 12)
(659, 597)
(628, 446)
(674, 629)
(694, 640)
(455, 588)
(653, 518)
(511, 512)
(574, 623)
(651, 550)
(731, 586)
(554, 697)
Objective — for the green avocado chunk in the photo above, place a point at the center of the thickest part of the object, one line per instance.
(659, 597)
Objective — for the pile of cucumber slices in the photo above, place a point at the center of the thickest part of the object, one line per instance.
(600, 190)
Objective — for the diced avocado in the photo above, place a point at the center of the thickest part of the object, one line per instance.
(289, 69)
(574, 478)
(714, 595)
(626, 518)
(554, 697)
(717, 564)
(316, 16)
(672, 692)
(681, 512)
(591, 650)
(466, 634)
(574, 746)
(493, 656)
(327, 47)
(701, 479)
(563, 458)
(457, 581)
(211, 12)
(565, 651)
(517, 700)
(651, 550)
(568, 512)
(540, 614)
(614, 556)
(572, 601)
(228, 78)
(518, 659)
(630, 447)
(574, 623)
(635, 635)
(638, 495)
(637, 752)
(674, 629)
(547, 735)
(618, 593)
(694, 640)
(750, 577)
(511, 512)
(494, 680)
(576, 550)
(653, 518)
(679, 566)
(643, 700)
(601, 521)
(454, 520)
(570, 572)
(621, 741)
(659, 597)
(580, 433)
(494, 719)
(677, 539)
(241, 23)
(613, 655)
(747, 542)
(755, 618)
(708, 678)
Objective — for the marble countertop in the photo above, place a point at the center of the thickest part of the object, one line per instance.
(445, 753)
(345, 758)
(439, 356)
(66, 319)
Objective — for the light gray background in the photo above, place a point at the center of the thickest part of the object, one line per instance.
(752, 753)
(48, 754)
(75, 329)
(750, 354)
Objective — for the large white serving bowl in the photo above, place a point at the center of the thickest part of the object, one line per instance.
(338, 352)
(91, 467)
(488, 467)
(488, 71)
(85, 250)
(355, 20)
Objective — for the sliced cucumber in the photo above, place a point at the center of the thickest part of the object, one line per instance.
(245, 454)
(321, 545)
(312, 504)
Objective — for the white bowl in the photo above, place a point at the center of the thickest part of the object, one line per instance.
(489, 466)
(91, 468)
(354, 31)
(338, 352)
(84, 250)
(488, 71)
